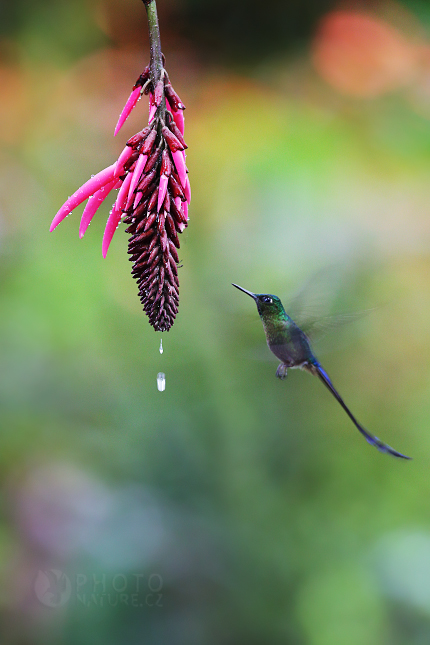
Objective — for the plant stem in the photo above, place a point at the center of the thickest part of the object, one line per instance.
(156, 59)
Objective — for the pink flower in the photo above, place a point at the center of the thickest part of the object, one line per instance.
(153, 198)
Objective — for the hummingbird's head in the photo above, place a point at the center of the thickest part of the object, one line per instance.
(268, 305)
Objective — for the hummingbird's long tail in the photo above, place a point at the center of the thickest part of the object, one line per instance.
(374, 441)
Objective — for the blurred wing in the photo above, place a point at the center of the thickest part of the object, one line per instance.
(316, 329)
(312, 303)
(314, 299)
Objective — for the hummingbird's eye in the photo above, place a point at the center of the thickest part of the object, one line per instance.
(267, 299)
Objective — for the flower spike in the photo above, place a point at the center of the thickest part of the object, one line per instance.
(153, 197)
(154, 190)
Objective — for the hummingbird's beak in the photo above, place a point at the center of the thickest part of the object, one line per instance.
(244, 290)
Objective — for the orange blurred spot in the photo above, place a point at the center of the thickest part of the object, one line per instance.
(13, 104)
(362, 56)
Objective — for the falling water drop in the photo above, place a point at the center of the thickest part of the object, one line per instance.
(161, 346)
(161, 381)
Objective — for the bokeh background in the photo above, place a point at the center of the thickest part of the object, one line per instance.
(232, 507)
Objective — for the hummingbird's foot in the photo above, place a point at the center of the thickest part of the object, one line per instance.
(282, 370)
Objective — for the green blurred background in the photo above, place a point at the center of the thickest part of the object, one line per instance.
(233, 507)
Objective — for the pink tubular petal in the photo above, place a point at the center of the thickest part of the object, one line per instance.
(131, 102)
(178, 118)
(152, 108)
(185, 209)
(122, 159)
(131, 197)
(89, 188)
(123, 192)
(183, 225)
(140, 165)
(93, 205)
(162, 191)
(152, 111)
(178, 158)
(187, 190)
(137, 199)
(178, 203)
(111, 226)
(129, 202)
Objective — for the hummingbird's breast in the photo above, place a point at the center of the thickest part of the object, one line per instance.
(289, 344)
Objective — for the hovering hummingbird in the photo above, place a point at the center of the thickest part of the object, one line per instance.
(291, 345)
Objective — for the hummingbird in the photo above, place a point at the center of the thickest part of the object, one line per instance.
(291, 345)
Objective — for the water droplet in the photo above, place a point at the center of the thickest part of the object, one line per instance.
(161, 381)
(161, 346)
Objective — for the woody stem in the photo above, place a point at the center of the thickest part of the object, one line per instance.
(156, 60)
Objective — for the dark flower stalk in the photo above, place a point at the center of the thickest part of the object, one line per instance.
(154, 190)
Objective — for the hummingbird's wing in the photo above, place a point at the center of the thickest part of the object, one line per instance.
(374, 441)
(317, 328)
(311, 304)
(314, 298)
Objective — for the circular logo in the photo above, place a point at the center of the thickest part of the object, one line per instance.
(52, 587)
